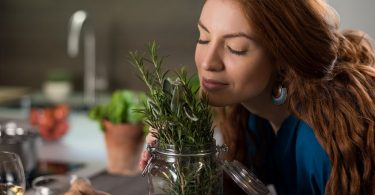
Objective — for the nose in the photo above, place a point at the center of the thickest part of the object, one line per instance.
(212, 59)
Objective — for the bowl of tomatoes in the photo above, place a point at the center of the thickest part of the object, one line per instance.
(52, 121)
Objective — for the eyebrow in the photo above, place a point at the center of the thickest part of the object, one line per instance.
(232, 35)
(203, 26)
(240, 34)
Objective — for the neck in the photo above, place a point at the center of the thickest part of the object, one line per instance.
(263, 107)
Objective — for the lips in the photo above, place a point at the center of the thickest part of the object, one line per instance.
(213, 85)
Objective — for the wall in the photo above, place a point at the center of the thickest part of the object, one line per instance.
(356, 14)
(33, 35)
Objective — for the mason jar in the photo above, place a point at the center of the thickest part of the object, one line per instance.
(196, 170)
(189, 170)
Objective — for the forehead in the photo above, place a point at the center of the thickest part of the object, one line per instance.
(224, 16)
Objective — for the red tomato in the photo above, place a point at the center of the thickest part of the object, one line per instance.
(34, 116)
(46, 119)
(61, 128)
(61, 112)
(45, 133)
(52, 122)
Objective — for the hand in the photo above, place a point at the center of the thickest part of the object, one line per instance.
(82, 187)
(150, 140)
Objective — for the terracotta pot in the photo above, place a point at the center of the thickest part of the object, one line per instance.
(124, 145)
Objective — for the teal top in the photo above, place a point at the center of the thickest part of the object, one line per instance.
(295, 163)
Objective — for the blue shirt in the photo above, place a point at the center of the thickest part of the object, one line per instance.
(296, 163)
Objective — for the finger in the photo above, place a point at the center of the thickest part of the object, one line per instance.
(145, 155)
(150, 139)
(142, 165)
(144, 159)
(72, 193)
(101, 193)
(81, 185)
(153, 130)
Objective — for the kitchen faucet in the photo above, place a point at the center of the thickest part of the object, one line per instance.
(76, 24)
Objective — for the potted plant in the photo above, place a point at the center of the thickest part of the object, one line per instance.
(123, 130)
(58, 86)
(184, 158)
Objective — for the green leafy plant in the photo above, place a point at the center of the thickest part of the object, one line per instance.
(120, 108)
(183, 119)
(174, 106)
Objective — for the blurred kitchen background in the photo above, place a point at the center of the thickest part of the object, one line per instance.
(33, 37)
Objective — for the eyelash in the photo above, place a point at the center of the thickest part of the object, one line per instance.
(239, 53)
(235, 52)
(202, 42)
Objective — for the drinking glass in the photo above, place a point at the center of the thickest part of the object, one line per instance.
(12, 176)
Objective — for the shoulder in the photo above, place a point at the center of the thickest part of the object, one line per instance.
(308, 149)
(307, 144)
(312, 160)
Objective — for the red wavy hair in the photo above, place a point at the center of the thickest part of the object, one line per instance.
(330, 77)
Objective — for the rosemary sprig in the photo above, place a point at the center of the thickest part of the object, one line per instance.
(183, 119)
(180, 115)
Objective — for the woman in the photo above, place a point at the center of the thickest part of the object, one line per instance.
(299, 93)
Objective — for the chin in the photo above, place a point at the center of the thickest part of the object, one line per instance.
(217, 104)
(219, 101)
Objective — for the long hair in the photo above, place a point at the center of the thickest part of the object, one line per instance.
(330, 77)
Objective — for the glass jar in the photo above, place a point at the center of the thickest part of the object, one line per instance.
(186, 171)
(196, 170)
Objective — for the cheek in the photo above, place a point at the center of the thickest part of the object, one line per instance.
(254, 84)
(198, 58)
(251, 80)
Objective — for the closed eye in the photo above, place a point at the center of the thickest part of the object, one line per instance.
(202, 41)
(237, 52)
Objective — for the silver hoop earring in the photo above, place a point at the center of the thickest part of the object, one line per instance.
(281, 97)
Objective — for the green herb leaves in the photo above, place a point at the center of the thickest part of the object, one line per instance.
(174, 106)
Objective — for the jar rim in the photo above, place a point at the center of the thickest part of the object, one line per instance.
(187, 150)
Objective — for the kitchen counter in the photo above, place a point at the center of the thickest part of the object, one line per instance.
(84, 143)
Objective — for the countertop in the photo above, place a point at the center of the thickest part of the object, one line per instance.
(84, 143)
